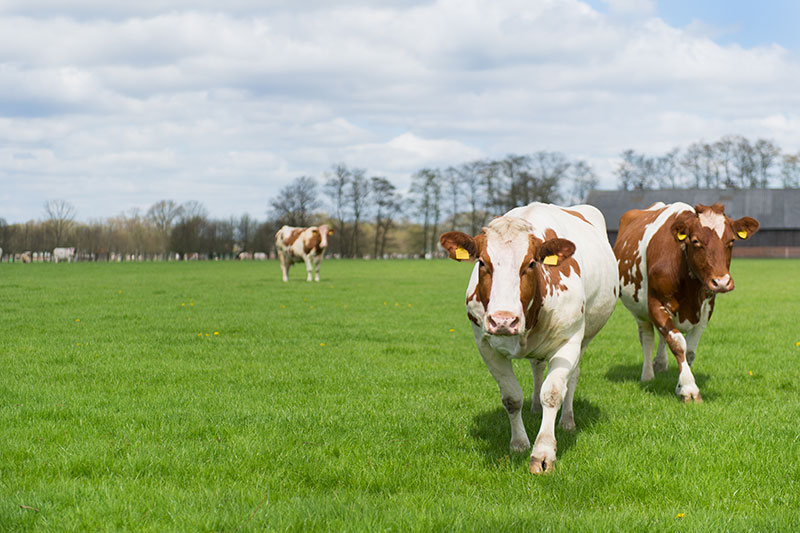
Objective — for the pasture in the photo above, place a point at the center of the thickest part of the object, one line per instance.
(210, 396)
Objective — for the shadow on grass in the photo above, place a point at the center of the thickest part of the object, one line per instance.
(663, 384)
(492, 430)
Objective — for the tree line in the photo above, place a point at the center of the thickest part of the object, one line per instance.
(732, 162)
(372, 218)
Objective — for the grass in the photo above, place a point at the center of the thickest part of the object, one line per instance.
(350, 405)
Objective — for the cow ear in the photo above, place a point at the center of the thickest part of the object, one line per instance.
(555, 251)
(460, 246)
(330, 231)
(682, 226)
(745, 227)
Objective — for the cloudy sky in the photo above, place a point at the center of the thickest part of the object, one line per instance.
(116, 105)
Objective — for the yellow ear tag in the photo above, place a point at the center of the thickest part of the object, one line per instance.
(461, 253)
(681, 236)
(551, 260)
(742, 234)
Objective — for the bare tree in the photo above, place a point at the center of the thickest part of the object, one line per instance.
(296, 202)
(582, 179)
(246, 228)
(426, 193)
(547, 171)
(790, 171)
(61, 216)
(453, 183)
(766, 155)
(357, 194)
(744, 164)
(336, 189)
(470, 175)
(387, 205)
(162, 215)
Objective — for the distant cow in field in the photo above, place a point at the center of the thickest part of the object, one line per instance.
(63, 254)
(543, 285)
(260, 256)
(673, 260)
(302, 244)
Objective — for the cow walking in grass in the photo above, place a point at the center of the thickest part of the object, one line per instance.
(673, 260)
(543, 285)
(302, 244)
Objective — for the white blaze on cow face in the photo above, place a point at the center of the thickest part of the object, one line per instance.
(711, 219)
(507, 245)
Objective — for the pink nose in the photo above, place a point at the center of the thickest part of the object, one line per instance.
(722, 284)
(503, 323)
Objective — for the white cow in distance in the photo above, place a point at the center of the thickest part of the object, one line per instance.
(63, 254)
(302, 244)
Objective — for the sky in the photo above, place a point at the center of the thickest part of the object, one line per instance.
(114, 106)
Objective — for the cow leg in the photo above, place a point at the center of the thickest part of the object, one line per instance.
(284, 258)
(317, 261)
(692, 340)
(647, 340)
(567, 420)
(686, 388)
(309, 267)
(660, 363)
(510, 394)
(554, 389)
(538, 376)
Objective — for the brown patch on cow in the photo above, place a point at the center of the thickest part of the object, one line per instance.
(576, 214)
(632, 226)
(288, 241)
(313, 242)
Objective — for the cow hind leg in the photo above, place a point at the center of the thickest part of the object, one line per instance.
(647, 340)
(285, 263)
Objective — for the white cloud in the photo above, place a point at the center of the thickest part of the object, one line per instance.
(141, 102)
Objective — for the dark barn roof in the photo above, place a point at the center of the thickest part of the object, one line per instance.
(777, 209)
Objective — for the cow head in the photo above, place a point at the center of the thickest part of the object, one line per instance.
(324, 230)
(510, 281)
(707, 236)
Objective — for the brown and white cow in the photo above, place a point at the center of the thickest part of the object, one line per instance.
(302, 244)
(673, 260)
(543, 285)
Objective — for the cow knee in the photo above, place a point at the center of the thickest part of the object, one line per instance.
(552, 396)
(512, 405)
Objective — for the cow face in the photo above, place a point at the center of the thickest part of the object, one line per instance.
(324, 230)
(707, 236)
(510, 262)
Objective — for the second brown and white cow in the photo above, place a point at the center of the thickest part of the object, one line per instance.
(673, 260)
(543, 285)
(302, 244)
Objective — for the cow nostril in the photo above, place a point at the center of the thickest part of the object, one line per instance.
(514, 323)
(492, 323)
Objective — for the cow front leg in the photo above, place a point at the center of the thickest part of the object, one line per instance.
(646, 339)
(284, 259)
(660, 363)
(538, 377)
(687, 388)
(309, 267)
(317, 262)
(510, 393)
(554, 390)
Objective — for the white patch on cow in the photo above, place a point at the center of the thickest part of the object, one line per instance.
(507, 244)
(713, 220)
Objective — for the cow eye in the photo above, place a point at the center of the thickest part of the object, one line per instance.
(697, 243)
(481, 264)
(532, 265)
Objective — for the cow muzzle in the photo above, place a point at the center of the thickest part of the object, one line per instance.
(721, 284)
(502, 323)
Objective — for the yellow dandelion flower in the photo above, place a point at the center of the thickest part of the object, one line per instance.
(206, 334)
(385, 303)
(409, 305)
(751, 372)
(322, 344)
(452, 330)
(199, 334)
(797, 344)
(183, 304)
(77, 320)
(283, 307)
(396, 304)
(78, 344)
(191, 304)
(216, 333)
(119, 292)
(679, 515)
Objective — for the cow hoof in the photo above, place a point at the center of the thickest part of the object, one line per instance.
(568, 424)
(689, 394)
(540, 465)
(520, 445)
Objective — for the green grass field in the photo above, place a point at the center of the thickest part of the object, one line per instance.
(212, 397)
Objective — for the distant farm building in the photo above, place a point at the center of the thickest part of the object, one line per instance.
(777, 210)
